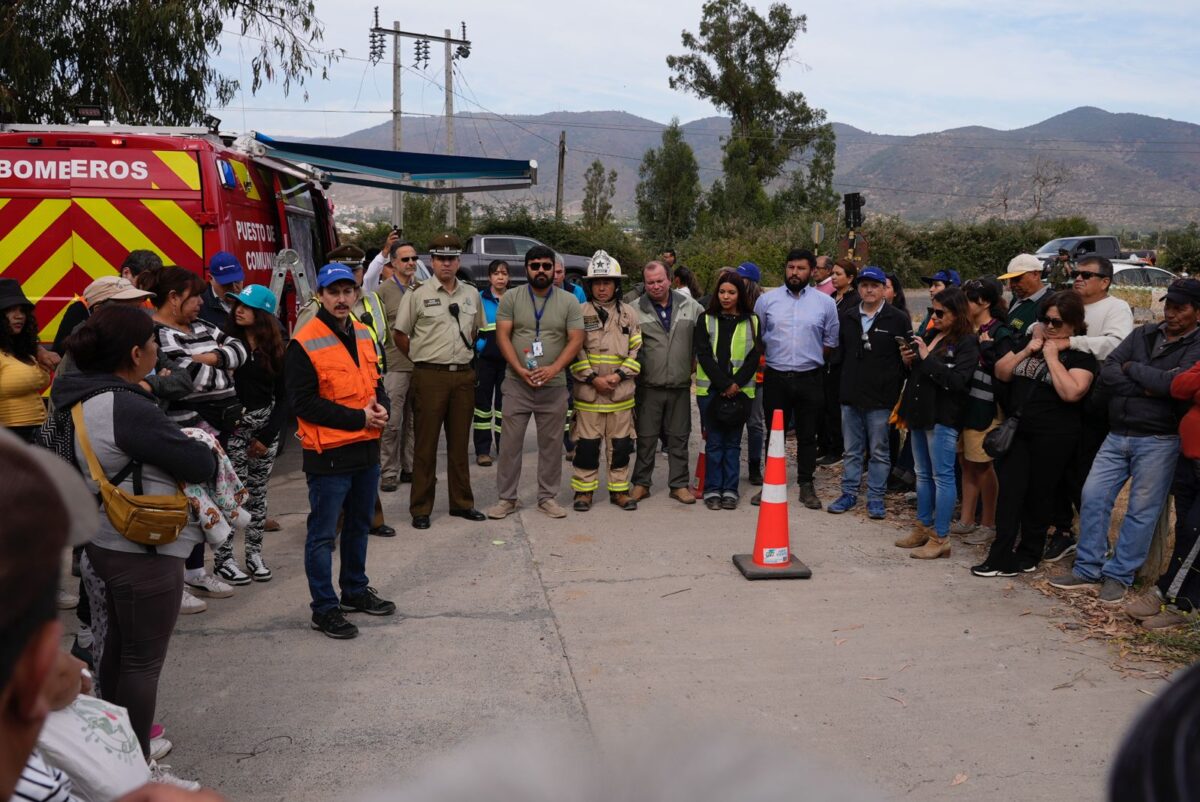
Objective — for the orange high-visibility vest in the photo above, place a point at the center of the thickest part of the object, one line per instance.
(338, 380)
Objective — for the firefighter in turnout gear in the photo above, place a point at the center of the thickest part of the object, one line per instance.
(604, 373)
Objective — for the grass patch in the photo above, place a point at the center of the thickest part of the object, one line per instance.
(1178, 645)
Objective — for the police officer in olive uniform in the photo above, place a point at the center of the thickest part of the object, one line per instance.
(436, 327)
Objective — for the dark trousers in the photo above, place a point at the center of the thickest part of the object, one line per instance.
(489, 400)
(143, 593)
(1025, 508)
(829, 425)
(441, 400)
(351, 496)
(663, 409)
(803, 396)
(1181, 582)
(1068, 498)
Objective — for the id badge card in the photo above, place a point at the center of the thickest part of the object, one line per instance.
(536, 348)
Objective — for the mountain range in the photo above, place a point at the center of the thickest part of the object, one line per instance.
(1123, 171)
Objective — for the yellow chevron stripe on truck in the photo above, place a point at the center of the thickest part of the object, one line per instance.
(119, 226)
(183, 164)
(180, 222)
(52, 271)
(26, 232)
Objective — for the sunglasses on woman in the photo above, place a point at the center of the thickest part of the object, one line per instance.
(1050, 322)
(937, 313)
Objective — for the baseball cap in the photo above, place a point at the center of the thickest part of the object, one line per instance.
(351, 255)
(82, 512)
(333, 272)
(949, 277)
(225, 268)
(876, 274)
(1024, 263)
(1184, 291)
(445, 245)
(750, 272)
(255, 296)
(112, 288)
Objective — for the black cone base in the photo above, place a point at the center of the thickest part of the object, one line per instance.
(793, 570)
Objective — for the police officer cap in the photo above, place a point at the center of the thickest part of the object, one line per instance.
(347, 255)
(445, 245)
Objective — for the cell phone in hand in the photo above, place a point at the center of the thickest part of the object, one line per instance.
(903, 342)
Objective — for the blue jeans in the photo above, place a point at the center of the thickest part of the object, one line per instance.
(722, 456)
(933, 461)
(1150, 463)
(328, 496)
(865, 431)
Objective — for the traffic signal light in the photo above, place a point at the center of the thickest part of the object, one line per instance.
(853, 201)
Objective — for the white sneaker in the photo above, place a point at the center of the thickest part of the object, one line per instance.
(258, 569)
(191, 604)
(160, 773)
(208, 585)
(160, 748)
(232, 573)
(67, 600)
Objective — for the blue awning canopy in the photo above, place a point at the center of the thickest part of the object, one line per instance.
(366, 167)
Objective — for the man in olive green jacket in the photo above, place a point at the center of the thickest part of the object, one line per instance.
(668, 320)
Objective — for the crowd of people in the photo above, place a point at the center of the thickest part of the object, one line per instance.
(172, 394)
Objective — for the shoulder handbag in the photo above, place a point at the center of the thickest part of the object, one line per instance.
(148, 520)
(998, 441)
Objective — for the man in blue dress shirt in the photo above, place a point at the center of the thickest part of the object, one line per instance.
(799, 329)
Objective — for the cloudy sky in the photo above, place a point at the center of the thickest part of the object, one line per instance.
(887, 67)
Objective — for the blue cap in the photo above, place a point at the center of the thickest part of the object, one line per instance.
(334, 272)
(255, 296)
(750, 272)
(225, 268)
(948, 277)
(872, 273)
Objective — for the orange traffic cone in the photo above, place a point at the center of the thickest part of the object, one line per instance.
(698, 479)
(772, 558)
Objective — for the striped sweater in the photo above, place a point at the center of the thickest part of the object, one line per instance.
(176, 349)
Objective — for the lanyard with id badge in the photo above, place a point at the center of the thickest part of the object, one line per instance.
(535, 348)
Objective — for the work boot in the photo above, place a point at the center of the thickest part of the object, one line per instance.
(1169, 618)
(622, 500)
(1147, 605)
(756, 477)
(583, 502)
(683, 495)
(934, 548)
(502, 509)
(808, 496)
(640, 492)
(919, 535)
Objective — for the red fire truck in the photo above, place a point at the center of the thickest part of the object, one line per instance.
(75, 200)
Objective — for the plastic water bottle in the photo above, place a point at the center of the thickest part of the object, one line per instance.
(530, 360)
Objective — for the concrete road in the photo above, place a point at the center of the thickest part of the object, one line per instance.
(901, 674)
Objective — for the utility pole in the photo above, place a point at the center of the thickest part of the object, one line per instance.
(397, 139)
(452, 209)
(562, 158)
(462, 50)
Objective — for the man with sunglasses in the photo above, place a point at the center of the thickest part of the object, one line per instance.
(1024, 277)
(539, 329)
(1142, 446)
(397, 280)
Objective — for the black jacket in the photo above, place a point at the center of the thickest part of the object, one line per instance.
(1139, 396)
(211, 309)
(304, 395)
(872, 378)
(936, 391)
(716, 361)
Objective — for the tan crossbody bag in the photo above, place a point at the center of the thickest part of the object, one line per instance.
(148, 520)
